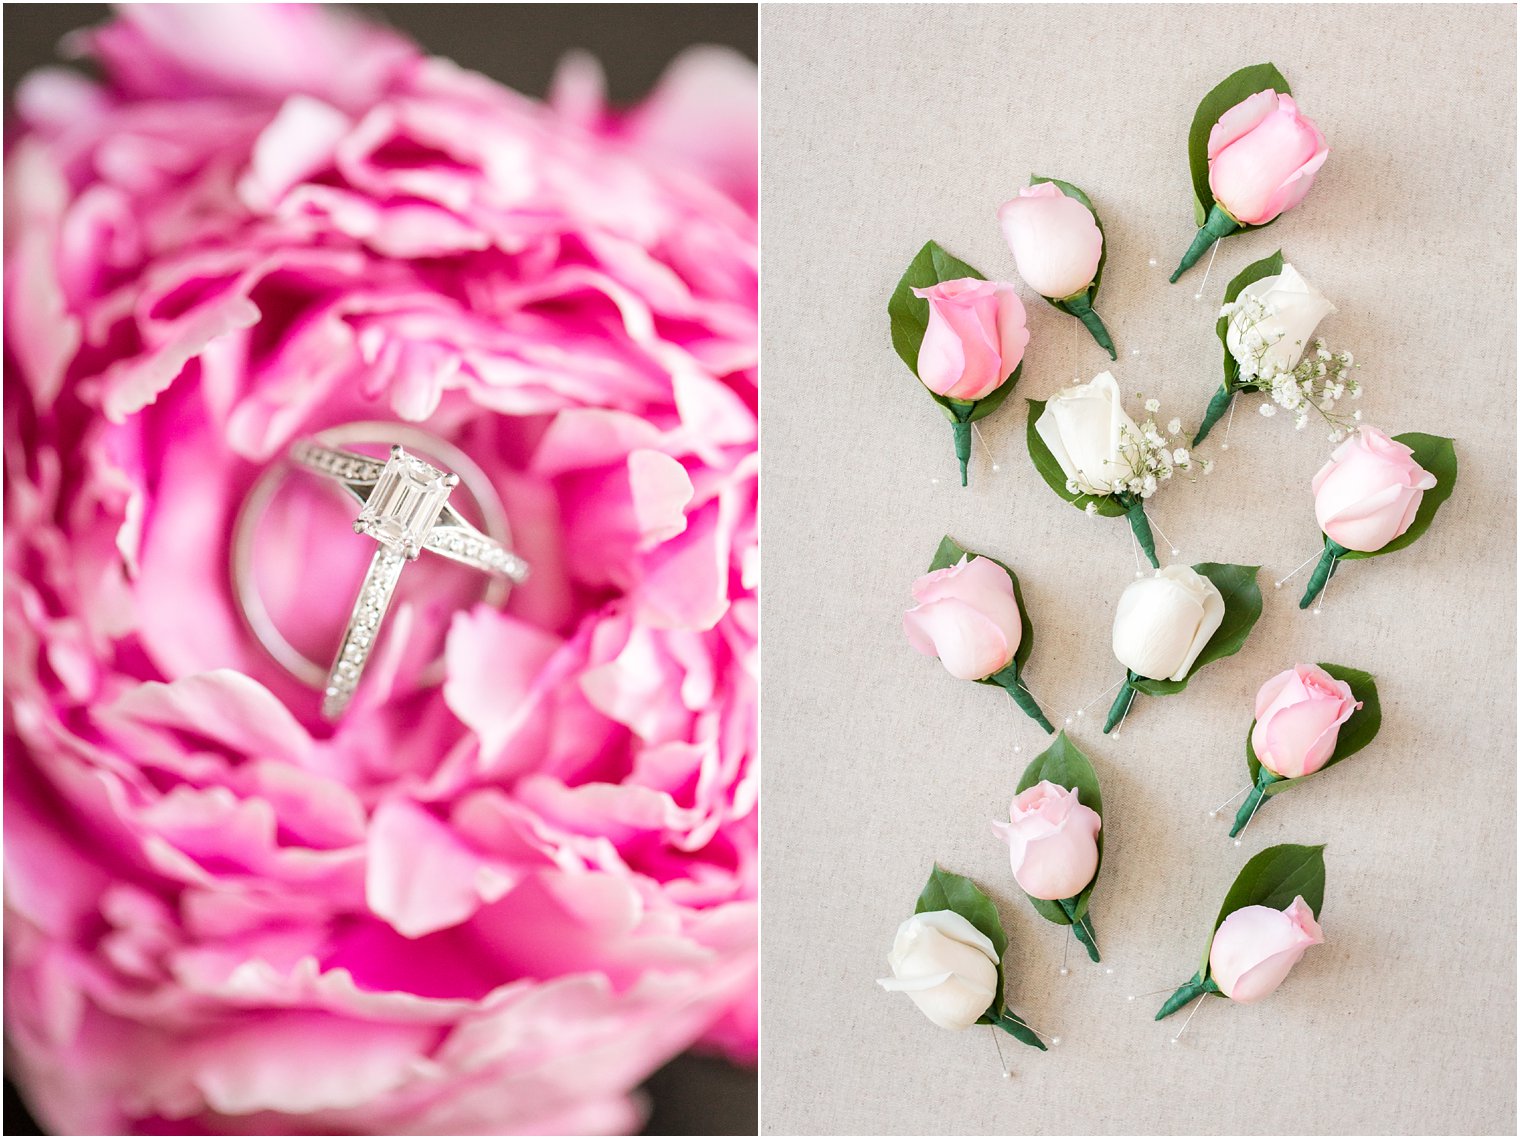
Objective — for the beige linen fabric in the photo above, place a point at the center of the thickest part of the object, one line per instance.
(885, 126)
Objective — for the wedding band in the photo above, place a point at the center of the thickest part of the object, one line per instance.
(405, 508)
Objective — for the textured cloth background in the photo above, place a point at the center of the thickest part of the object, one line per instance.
(886, 126)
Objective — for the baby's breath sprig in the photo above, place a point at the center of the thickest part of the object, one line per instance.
(1150, 456)
(1317, 385)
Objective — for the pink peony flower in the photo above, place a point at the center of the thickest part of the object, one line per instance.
(492, 906)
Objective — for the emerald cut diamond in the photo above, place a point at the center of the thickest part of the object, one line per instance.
(405, 503)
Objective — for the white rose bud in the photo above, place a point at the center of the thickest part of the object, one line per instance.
(946, 965)
(1084, 429)
(1294, 309)
(1164, 621)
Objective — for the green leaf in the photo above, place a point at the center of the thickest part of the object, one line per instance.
(1241, 85)
(1242, 606)
(1072, 192)
(1274, 878)
(910, 314)
(1438, 455)
(1255, 271)
(1063, 764)
(1108, 505)
(1355, 734)
(949, 553)
(947, 891)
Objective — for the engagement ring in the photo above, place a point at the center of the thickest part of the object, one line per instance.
(406, 510)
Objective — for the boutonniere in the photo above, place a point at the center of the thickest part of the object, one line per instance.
(1308, 718)
(1267, 328)
(1058, 246)
(1054, 834)
(962, 335)
(948, 958)
(970, 614)
(1252, 155)
(1269, 918)
(1377, 495)
(1171, 624)
(1091, 453)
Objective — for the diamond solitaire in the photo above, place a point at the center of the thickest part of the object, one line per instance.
(406, 501)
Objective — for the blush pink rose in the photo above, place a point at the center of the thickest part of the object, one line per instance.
(1052, 841)
(490, 906)
(967, 616)
(1299, 714)
(1263, 154)
(975, 339)
(1256, 946)
(1055, 240)
(1369, 491)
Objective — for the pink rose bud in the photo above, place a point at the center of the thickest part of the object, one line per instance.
(1055, 242)
(1369, 491)
(1299, 713)
(975, 339)
(1262, 157)
(1256, 946)
(967, 616)
(1052, 841)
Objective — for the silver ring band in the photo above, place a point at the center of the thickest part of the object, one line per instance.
(448, 534)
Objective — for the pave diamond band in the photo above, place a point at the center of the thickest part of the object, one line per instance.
(405, 507)
(359, 638)
(344, 465)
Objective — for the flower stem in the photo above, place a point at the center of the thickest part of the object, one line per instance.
(1216, 409)
(1135, 508)
(1008, 680)
(1082, 926)
(1080, 306)
(1322, 572)
(1120, 705)
(1016, 1028)
(1264, 779)
(1219, 224)
(1197, 987)
(962, 430)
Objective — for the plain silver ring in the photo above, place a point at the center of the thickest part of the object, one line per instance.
(251, 603)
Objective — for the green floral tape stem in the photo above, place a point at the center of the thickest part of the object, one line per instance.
(1197, 987)
(962, 430)
(1082, 927)
(1134, 506)
(1121, 703)
(1214, 412)
(1008, 680)
(1264, 779)
(1016, 1028)
(1218, 224)
(1080, 306)
(1328, 560)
